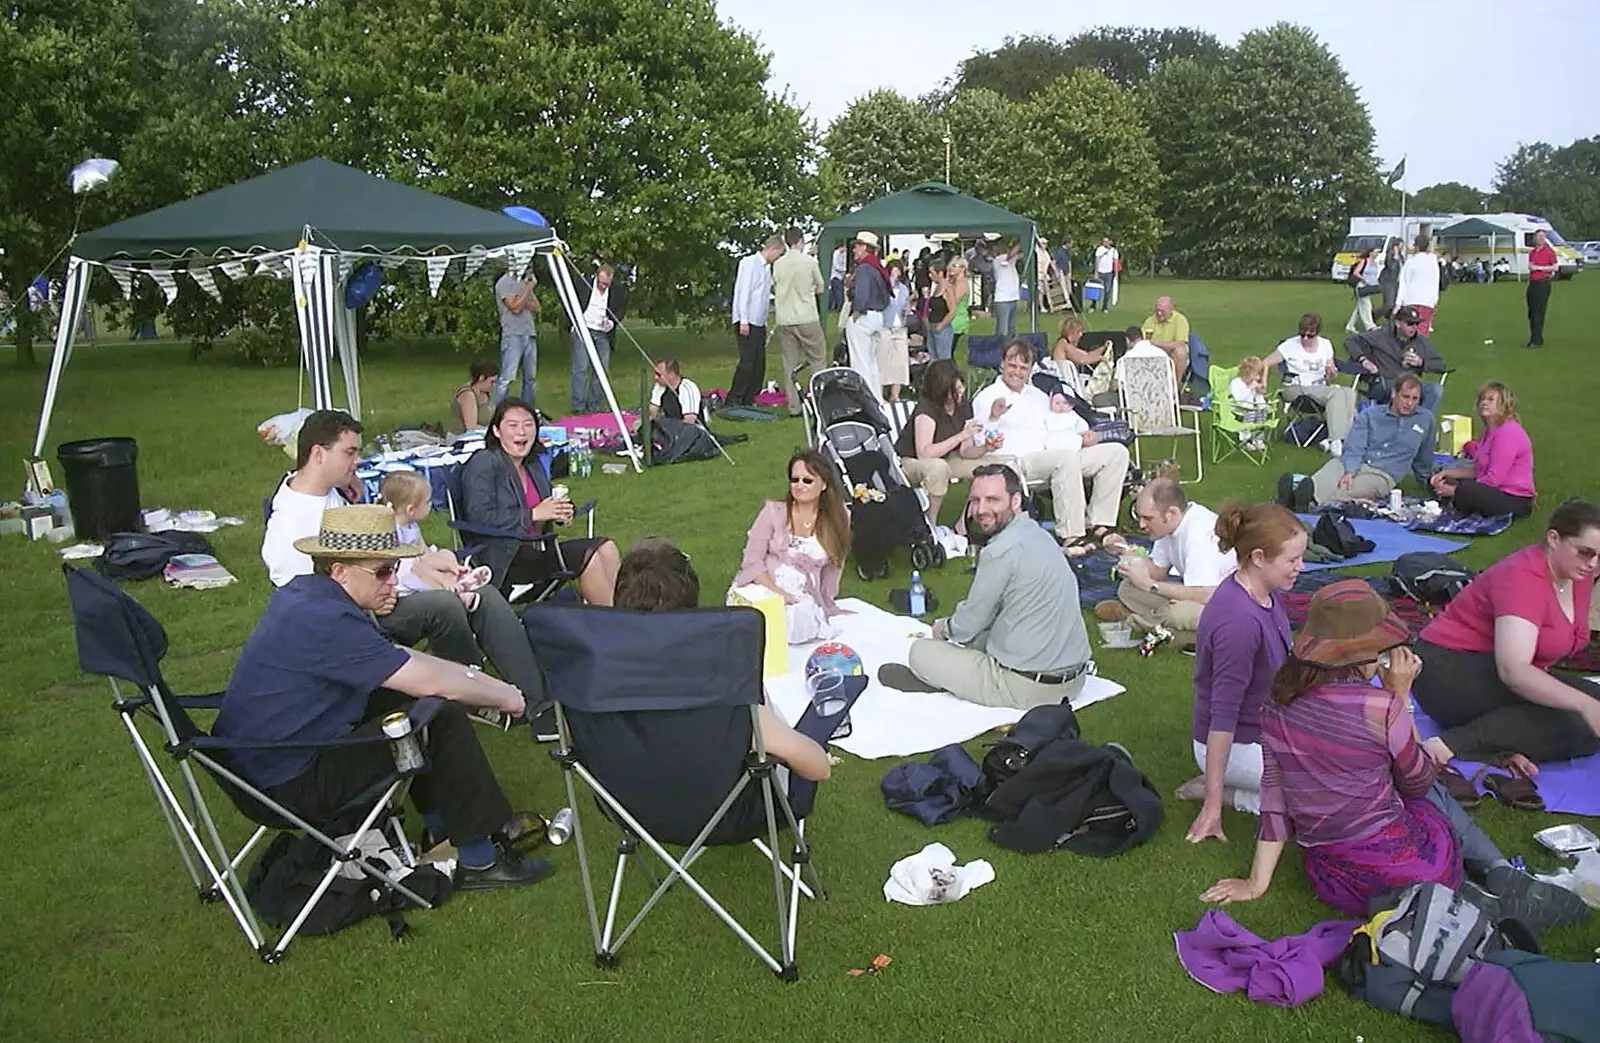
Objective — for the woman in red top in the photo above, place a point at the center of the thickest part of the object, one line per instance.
(1487, 657)
(1542, 268)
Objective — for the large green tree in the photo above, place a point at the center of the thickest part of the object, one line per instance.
(1448, 197)
(1023, 66)
(882, 142)
(1085, 164)
(1561, 185)
(1265, 155)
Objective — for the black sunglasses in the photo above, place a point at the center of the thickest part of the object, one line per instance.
(382, 572)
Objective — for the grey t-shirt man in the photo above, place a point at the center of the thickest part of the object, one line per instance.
(512, 323)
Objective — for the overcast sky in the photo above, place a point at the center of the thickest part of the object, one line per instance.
(1411, 60)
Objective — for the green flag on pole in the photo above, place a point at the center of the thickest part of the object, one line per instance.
(1396, 174)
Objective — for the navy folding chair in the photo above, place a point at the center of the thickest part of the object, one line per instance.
(547, 542)
(675, 757)
(118, 638)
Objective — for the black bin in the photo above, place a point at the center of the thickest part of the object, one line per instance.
(102, 479)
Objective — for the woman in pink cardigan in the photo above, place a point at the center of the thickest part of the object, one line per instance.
(797, 546)
(1499, 477)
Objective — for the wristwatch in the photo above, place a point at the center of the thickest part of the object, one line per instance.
(472, 672)
(1155, 588)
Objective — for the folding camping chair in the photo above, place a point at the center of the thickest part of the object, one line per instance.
(1303, 422)
(675, 755)
(119, 639)
(1149, 402)
(548, 542)
(1231, 433)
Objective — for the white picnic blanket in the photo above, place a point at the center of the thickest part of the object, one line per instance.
(890, 723)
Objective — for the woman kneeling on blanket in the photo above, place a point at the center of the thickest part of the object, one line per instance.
(657, 577)
(797, 546)
(1344, 773)
(1499, 477)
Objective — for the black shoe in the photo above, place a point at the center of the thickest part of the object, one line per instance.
(1188, 649)
(504, 873)
(899, 677)
(1305, 496)
(543, 725)
(1511, 894)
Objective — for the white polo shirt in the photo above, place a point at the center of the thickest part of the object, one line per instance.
(1191, 550)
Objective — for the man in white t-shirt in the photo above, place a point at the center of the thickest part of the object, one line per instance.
(675, 396)
(1311, 374)
(1105, 270)
(1016, 419)
(1007, 289)
(329, 447)
(1170, 587)
(1139, 347)
(603, 303)
(1419, 284)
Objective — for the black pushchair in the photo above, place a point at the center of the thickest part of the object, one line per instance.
(846, 423)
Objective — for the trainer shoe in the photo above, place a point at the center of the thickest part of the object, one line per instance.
(1111, 611)
(1511, 894)
(505, 872)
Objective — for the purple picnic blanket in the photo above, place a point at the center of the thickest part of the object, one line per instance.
(1463, 524)
(1568, 787)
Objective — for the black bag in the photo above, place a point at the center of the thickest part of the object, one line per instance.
(1038, 728)
(1429, 577)
(289, 870)
(1335, 533)
(1368, 291)
(140, 555)
(1091, 800)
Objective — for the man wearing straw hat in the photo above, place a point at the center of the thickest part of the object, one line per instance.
(317, 667)
(869, 297)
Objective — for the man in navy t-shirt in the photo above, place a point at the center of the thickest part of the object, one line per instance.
(317, 667)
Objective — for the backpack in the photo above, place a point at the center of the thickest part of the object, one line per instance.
(1091, 800)
(141, 555)
(1335, 532)
(1411, 958)
(1429, 577)
(289, 870)
(1038, 728)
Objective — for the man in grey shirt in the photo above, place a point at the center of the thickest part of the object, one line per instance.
(1017, 639)
(519, 351)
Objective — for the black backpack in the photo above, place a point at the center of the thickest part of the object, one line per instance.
(1038, 728)
(140, 555)
(1429, 577)
(1335, 533)
(289, 870)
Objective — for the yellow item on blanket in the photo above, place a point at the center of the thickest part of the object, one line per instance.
(770, 605)
(1455, 431)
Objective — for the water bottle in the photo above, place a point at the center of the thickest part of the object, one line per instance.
(919, 596)
(560, 827)
(403, 743)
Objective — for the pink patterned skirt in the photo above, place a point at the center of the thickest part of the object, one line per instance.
(1421, 847)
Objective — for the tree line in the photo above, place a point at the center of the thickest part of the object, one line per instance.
(648, 133)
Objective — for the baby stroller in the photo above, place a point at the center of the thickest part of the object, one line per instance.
(846, 424)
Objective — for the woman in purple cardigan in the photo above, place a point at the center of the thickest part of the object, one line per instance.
(797, 547)
(1242, 640)
(1499, 477)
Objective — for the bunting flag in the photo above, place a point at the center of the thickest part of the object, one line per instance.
(437, 266)
(206, 281)
(166, 280)
(235, 270)
(124, 279)
(474, 260)
(390, 261)
(521, 257)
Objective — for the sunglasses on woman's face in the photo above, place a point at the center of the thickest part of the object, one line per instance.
(383, 572)
(802, 479)
(1583, 553)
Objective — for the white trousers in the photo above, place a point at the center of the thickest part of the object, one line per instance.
(1242, 775)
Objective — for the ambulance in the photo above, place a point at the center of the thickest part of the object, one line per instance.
(1373, 232)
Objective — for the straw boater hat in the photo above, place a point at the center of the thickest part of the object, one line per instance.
(867, 239)
(1349, 624)
(363, 530)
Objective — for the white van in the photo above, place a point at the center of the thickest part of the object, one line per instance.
(1515, 245)
(1373, 232)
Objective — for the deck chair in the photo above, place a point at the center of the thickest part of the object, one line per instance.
(674, 757)
(1302, 421)
(119, 639)
(549, 542)
(1149, 402)
(1229, 432)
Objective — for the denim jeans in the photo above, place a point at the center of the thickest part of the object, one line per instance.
(519, 353)
(587, 397)
(941, 342)
(1005, 318)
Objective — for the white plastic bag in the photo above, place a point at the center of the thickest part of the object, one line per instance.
(283, 429)
(1583, 879)
(931, 877)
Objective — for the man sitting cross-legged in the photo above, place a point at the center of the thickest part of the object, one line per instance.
(1017, 639)
(330, 445)
(1168, 589)
(317, 668)
(1384, 443)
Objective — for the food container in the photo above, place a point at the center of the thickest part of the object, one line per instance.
(1567, 839)
(1116, 635)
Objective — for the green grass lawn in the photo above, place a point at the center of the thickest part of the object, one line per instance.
(103, 939)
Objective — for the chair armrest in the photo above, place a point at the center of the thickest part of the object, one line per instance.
(420, 712)
(206, 701)
(488, 532)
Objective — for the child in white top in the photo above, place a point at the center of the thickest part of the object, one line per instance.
(1248, 393)
(409, 494)
(1063, 427)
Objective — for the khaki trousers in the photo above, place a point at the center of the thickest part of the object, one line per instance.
(1338, 405)
(1105, 466)
(1369, 484)
(978, 677)
(796, 343)
(1152, 610)
(936, 475)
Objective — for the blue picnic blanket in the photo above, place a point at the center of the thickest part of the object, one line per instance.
(1463, 524)
(1390, 540)
(1097, 578)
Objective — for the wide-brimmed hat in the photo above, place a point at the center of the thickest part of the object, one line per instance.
(363, 530)
(867, 239)
(1349, 624)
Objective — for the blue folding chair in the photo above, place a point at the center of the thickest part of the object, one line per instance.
(119, 639)
(676, 757)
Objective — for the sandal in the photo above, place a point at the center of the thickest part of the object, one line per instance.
(1460, 787)
(1080, 546)
(1515, 791)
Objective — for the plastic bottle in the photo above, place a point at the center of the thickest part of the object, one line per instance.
(919, 596)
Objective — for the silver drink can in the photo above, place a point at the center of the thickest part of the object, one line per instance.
(403, 743)
(560, 827)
